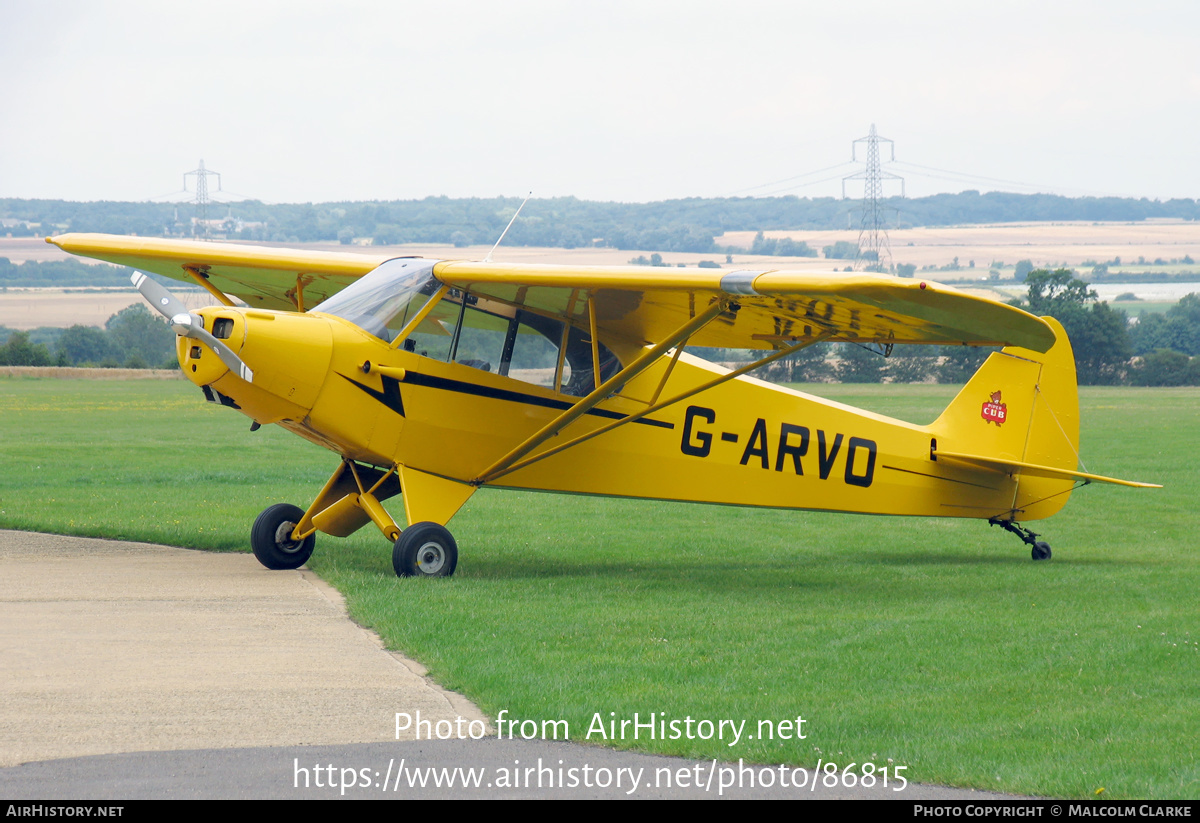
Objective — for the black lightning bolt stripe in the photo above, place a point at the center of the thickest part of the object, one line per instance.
(429, 381)
(390, 396)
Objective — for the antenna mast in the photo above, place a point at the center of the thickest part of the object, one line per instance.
(488, 259)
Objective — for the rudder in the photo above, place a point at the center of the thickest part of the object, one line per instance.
(1020, 406)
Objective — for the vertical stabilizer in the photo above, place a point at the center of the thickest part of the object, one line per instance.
(1021, 406)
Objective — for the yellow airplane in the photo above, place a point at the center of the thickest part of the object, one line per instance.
(431, 378)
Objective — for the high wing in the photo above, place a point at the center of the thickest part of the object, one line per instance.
(261, 276)
(636, 304)
(775, 308)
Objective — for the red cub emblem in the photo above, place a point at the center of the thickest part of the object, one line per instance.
(994, 411)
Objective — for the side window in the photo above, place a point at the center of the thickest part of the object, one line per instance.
(534, 355)
(583, 371)
(481, 340)
(498, 338)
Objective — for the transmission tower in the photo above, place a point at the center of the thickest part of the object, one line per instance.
(874, 251)
(201, 200)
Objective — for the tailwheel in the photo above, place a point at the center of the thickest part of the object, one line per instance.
(425, 550)
(1040, 550)
(271, 538)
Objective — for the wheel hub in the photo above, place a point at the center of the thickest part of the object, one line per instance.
(283, 537)
(430, 558)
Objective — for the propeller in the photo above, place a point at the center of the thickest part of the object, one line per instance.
(187, 324)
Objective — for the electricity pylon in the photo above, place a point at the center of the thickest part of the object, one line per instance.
(874, 251)
(202, 199)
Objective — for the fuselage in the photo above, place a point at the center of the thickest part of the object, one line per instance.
(743, 442)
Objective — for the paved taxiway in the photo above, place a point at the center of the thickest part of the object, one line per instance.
(139, 671)
(125, 647)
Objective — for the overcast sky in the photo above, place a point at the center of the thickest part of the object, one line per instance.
(631, 101)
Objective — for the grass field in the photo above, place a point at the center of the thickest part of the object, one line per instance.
(933, 644)
(1136, 308)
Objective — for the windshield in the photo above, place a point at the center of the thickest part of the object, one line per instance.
(471, 330)
(383, 300)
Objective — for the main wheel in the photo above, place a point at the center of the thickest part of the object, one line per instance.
(1041, 550)
(425, 550)
(271, 538)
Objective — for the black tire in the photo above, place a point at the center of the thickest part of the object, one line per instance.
(270, 537)
(425, 550)
(1041, 551)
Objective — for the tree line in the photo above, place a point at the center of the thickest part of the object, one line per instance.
(683, 225)
(61, 274)
(133, 338)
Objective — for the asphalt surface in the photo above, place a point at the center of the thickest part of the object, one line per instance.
(135, 671)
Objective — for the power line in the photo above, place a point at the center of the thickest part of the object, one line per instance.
(965, 174)
(965, 177)
(789, 179)
(917, 169)
(802, 185)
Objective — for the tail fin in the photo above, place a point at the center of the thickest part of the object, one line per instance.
(1019, 415)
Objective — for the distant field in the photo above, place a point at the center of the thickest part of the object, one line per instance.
(30, 308)
(1045, 244)
(24, 309)
(69, 373)
(932, 644)
(1137, 308)
(20, 249)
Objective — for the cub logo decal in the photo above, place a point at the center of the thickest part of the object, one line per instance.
(994, 411)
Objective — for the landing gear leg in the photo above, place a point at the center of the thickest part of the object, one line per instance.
(1040, 550)
(352, 498)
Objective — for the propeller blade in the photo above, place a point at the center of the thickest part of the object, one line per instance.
(165, 303)
(186, 324)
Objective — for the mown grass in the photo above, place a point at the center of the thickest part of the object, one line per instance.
(936, 644)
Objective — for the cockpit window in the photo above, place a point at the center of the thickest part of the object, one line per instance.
(383, 300)
(471, 330)
(495, 337)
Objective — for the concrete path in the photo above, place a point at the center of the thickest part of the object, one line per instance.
(134, 671)
(114, 647)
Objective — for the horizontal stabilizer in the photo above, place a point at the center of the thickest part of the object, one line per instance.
(1015, 466)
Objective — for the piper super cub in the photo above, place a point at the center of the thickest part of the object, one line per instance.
(431, 378)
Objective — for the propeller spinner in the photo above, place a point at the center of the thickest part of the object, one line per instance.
(188, 324)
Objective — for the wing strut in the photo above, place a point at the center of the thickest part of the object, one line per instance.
(724, 378)
(562, 346)
(605, 389)
(202, 279)
(591, 304)
(296, 295)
